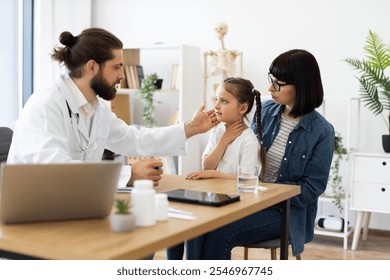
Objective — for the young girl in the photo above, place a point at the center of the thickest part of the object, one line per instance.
(232, 142)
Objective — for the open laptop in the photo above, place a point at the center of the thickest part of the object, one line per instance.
(53, 192)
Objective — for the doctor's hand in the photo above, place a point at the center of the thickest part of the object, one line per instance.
(146, 169)
(202, 122)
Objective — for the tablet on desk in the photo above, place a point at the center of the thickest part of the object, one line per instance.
(203, 198)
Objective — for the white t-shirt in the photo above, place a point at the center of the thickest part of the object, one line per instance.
(244, 150)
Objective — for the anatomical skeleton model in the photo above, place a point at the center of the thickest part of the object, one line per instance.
(222, 61)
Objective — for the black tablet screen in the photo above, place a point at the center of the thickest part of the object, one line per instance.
(204, 198)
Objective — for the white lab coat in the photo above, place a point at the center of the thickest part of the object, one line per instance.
(47, 132)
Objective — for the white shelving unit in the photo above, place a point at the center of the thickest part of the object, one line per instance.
(347, 228)
(186, 99)
(352, 132)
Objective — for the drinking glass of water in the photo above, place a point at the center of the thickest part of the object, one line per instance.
(247, 178)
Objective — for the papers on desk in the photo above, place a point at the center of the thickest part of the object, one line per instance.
(261, 188)
(124, 178)
(180, 214)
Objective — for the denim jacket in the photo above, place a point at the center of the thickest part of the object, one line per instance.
(306, 162)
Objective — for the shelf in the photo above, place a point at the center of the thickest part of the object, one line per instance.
(131, 91)
(166, 102)
(352, 129)
(326, 198)
(339, 234)
(180, 101)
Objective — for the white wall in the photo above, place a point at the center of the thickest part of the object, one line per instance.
(9, 58)
(51, 17)
(332, 30)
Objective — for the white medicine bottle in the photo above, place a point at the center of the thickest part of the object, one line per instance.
(143, 203)
(162, 205)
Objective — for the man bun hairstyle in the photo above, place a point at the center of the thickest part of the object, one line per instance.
(92, 43)
(67, 39)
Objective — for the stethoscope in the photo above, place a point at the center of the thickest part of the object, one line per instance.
(82, 141)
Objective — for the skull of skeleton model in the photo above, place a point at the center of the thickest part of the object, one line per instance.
(221, 30)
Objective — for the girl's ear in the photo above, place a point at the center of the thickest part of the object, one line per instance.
(244, 108)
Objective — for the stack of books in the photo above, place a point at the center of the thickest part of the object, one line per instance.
(134, 76)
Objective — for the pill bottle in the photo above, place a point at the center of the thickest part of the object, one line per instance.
(143, 203)
(162, 205)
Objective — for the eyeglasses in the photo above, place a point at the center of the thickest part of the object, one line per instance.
(276, 85)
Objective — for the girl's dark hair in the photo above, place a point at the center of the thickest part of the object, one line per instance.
(244, 91)
(300, 68)
(92, 43)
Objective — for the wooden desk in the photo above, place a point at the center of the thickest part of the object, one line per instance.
(93, 239)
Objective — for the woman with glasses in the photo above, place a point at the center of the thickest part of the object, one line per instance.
(299, 148)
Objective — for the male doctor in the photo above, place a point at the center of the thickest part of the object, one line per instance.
(68, 120)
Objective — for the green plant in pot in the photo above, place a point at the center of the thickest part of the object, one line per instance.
(374, 83)
(122, 220)
(148, 87)
(122, 207)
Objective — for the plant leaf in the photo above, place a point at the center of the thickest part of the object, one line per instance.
(370, 97)
(376, 51)
(374, 84)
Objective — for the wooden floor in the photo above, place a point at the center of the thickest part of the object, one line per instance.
(377, 247)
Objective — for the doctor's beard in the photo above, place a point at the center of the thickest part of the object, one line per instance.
(101, 87)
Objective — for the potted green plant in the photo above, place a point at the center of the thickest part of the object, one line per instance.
(374, 83)
(335, 179)
(148, 87)
(122, 220)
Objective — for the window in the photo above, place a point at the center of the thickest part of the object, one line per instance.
(16, 57)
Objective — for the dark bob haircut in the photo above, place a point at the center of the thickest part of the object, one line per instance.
(300, 68)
